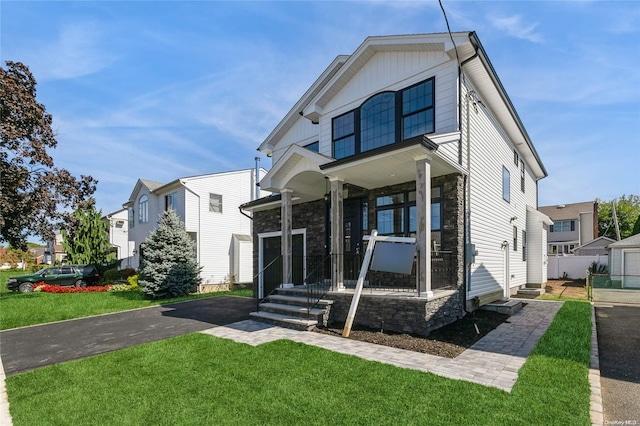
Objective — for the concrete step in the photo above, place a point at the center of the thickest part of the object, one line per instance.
(291, 310)
(286, 321)
(504, 306)
(531, 291)
(298, 300)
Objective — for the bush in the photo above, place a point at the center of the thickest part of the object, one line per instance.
(111, 275)
(46, 288)
(123, 288)
(168, 267)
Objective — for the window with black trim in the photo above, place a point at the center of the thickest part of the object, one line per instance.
(396, 214)
(515, 238)
(385, 118)
(315, 146)
(516, 157)
(524, 245)
(522, 175)
(506, 184)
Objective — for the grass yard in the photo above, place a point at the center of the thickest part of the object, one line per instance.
(199, 379)
(22, 309)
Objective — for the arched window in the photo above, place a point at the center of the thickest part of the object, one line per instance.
(378, 121)
(143, 209)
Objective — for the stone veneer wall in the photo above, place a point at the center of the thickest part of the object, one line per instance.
(310, 216)
(452, 214)
(412, 315)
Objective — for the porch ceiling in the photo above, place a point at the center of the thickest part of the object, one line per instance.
(389, 168)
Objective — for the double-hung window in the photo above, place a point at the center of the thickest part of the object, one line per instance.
(506, 184)
(384, 119)
(171, 201)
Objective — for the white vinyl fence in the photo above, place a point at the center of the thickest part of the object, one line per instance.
(573, 267)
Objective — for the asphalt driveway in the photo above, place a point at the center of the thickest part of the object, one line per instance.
(28, 348)
(619, 351)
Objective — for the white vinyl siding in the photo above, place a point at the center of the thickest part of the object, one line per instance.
(492, 219)
(385, 71)
(215, 230)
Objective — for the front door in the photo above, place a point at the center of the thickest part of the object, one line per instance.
(354, 222)
(272, 262)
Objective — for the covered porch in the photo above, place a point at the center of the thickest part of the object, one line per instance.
(343, 200)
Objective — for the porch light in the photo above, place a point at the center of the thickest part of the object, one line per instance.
(327, 193)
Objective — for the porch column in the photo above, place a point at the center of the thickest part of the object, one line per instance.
(423, 211)
(337, 237)
(287, 240)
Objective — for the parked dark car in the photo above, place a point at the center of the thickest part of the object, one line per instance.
(66, 275)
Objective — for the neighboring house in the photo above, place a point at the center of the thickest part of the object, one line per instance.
(573, 225)
(119, 236)
(624, 262)
(54, 252)
(410, 138)
(208, 205)
(38, 254)
(595, 247)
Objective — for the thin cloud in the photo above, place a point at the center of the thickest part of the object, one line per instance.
(514, 27)
(77, 51)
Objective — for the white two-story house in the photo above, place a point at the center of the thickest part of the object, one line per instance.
(574, 225)
(413, 136)
(208, 206)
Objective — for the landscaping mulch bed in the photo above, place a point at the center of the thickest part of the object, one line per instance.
(449, 341)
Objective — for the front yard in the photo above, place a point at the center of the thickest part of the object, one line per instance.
(199, 379)
(22, 309)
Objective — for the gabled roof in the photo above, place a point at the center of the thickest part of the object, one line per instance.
(149, 184)
(294, 114)
(567, 211)
(632, 241)
(473, 60)
(598, 242)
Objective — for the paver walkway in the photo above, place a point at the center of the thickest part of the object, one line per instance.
(492, 361)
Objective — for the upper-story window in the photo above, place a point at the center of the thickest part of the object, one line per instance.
(215, 203)
(563, 226)
(377, 121)
(315, 146)
(171, 201)
(384, 119)
(143, 209)
(522, 175)
(132, 217)
(506, 184)
(417, 110)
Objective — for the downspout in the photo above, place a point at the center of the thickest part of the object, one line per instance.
(467, 180)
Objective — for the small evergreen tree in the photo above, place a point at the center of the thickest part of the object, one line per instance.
(87, 240)
(168, 267)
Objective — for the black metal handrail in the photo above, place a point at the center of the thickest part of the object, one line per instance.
(256, 279)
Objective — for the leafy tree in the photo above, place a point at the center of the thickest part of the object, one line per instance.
(87, 242)
(628, 213)
(168, 267)
(35, 196)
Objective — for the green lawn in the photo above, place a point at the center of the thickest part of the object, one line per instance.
(21, 309)
(202, 380)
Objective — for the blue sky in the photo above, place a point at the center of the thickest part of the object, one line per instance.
(161, 90)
